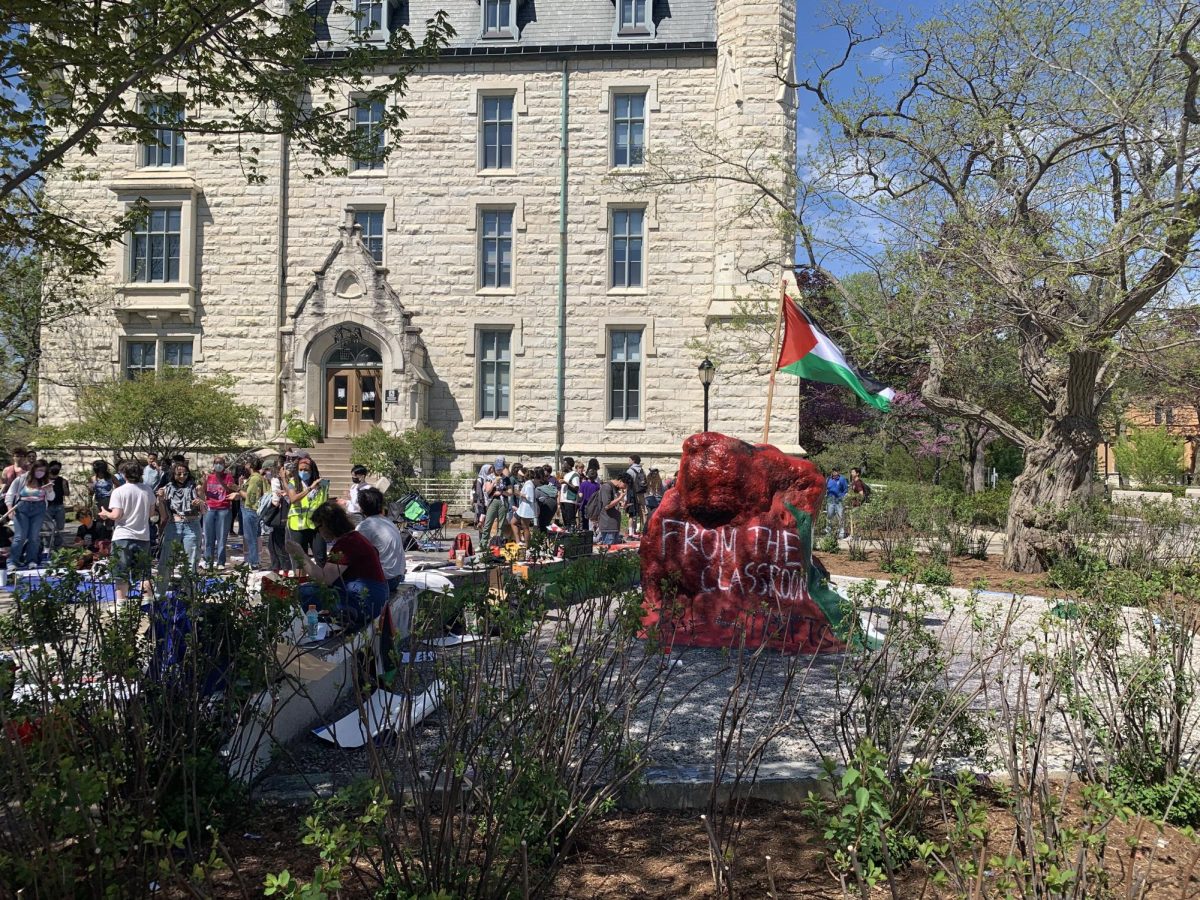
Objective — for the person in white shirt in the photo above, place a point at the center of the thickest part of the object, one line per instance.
(358, 481)
(129, 510)
(383, 535)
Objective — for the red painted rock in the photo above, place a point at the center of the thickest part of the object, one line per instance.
(730, 549)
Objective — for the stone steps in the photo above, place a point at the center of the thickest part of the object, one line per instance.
(332, 457)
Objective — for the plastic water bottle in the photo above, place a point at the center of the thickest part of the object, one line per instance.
(310, 622)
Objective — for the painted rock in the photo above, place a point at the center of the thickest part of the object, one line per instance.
(729, 550)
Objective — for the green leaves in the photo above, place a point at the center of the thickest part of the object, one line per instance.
(75, 75)
(173, 411)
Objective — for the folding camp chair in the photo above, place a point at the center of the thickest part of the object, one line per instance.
(430, 528)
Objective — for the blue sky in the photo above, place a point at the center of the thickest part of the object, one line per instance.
(818, 46)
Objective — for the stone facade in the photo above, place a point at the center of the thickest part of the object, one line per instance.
(277, 267)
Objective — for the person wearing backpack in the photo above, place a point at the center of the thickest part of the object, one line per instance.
(547, 502)
(480, 494)
(636, 495)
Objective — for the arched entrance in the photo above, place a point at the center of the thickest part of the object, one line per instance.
(353, 377)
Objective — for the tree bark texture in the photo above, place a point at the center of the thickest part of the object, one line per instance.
(1058, 472)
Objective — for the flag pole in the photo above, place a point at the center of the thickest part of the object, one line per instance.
(774, 359)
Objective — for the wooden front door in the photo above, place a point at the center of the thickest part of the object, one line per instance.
(353, 402)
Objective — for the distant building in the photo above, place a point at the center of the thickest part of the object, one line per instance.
(1183, 421)
(425, 289)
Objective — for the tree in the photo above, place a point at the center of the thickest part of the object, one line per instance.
(1037, 158)
(29, 301)
(76, 75)
(173, 411)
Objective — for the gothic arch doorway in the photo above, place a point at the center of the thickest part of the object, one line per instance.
(353, 378)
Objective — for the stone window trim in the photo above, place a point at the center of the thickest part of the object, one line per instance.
(369, 203)
(478, 207)
(610, 326)
(494, 323)
(479, 204)
(123, 338)
(480, 96)
(482, 421)
(626, 323)
(647, 86)
(158, 188)
(614, 167)
(647, 202)
(499, 85)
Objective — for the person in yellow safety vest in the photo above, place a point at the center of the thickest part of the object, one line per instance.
(305, 490)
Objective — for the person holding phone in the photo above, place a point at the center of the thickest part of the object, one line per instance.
(306, 490)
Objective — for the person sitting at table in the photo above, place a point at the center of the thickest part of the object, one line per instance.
(383, 534)
(351, 576)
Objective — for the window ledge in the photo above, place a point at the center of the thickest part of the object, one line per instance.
(621, 425)
(495, 292)
(495, 424)
(504, 34)
(368, 173)
(497, 173)
(626, 171)
(627, 292)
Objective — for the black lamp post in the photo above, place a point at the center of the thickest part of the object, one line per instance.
(706, 371)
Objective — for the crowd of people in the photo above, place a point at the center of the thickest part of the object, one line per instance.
(512, 502)
(146, 515)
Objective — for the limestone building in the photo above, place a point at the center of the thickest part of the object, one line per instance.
(426, 289)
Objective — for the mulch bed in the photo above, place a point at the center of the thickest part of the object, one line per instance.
(631, 855)
(966, 572)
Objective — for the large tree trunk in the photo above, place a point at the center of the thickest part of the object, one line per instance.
(1058, 473)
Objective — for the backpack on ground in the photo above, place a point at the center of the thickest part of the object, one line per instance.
(462, 546)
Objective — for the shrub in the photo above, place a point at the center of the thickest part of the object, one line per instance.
(396, 456)
(1149, 455)
(935, 573)
(111, 759)
(533, 739)
(298, 431)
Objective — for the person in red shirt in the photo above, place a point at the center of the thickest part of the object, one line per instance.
(219, 494)
(352, 574)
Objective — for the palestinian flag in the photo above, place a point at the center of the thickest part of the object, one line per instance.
(807, 351)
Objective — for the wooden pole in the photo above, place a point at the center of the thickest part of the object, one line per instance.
(774, 360)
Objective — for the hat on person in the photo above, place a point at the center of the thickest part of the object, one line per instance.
(498, 464)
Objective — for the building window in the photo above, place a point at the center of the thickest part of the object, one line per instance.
(369, 135)
(497, 18)
(627, 248)
(166, 144)
(177, 354)
(633, 17)
(495, 374)
(495, 251)
(155, 246)
(625, 375)
(139, 358)
(370, 221)
(497, 132)
(629, 130)
(368, 22)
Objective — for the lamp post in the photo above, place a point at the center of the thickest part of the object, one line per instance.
(706, 371)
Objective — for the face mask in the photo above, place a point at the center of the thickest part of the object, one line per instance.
(357, 479)
(219, 467)
(306, 476)
(39, 474)
(54, 472)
